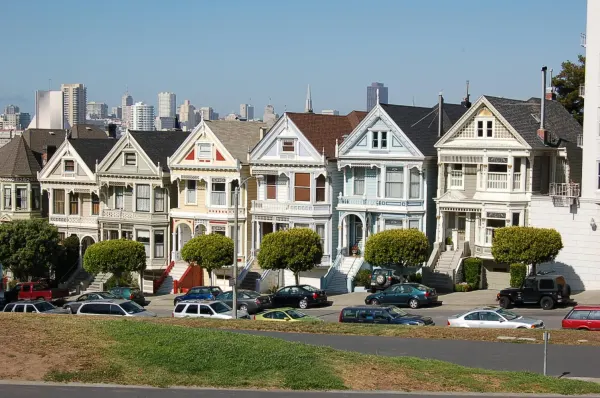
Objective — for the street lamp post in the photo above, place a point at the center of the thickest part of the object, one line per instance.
(236, 201)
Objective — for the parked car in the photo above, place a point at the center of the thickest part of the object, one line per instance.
(383, 278)
(247, 300)
(129, 293)
(545, 290)
(97, 296)
(34, 291)
(36, 307)
(493, 317)
(583, 317)
(382, 314)
(286, 315)
(108, 307)
(413, 295)
(206, 309)
(199, 293)
(301, 296)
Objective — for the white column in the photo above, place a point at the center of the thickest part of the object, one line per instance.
(364, 234)
(291, 187)
(13, 197)
(50, 201)
(313, 191)
(344, 184)
(523, 172)
(510, 169)
(179, 240)
(174, 244)
(253, 235)
(406, 172)
(80, 262)
(151, 199)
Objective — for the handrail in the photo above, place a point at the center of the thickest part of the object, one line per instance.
(71, 275)
(325, 279)
(245, 270)
(349, 276)
(158, 282)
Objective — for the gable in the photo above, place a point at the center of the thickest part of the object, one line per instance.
(202, 148)
(127, 158)
(66, 164)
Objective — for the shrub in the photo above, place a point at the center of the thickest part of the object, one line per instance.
(518, 272)
(117, 256)
(363, 278)
(463, 287)
(448, 241)
(415, 278)
(210, 252)
(397, 247)
(125, 279)
(472, 271)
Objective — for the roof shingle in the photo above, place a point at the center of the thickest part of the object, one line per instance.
(92, 150)
(159, 145)
(238, 137)
(17, 159)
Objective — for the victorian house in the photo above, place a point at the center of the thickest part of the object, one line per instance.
(298, 181)
(389, 169)
(206, 169)
(500, 154)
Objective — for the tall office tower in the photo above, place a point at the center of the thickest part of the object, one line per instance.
(247, 111)
(207, 113)
(331, 112)
(117, 112)
(18, 120)
(75, 101)
(166, 104)
(49, 111)
(372, 95)
(187, 117)
(126, 102)
(11, 109)
(308, 108)
(142, 117)
(269, 117)
(97, 110)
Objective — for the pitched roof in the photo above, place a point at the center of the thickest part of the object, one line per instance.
(17, 159)
(87, 131)
(523, 116)
(324, 130)
(92, 150)
(238, 137)
(420, 124)
(159, 145)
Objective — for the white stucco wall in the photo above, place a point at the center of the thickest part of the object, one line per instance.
(579, 260)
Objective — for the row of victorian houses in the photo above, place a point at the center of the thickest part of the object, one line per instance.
(455, 172)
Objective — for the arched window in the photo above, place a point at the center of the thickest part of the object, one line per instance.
(415, 184)
(320, 193)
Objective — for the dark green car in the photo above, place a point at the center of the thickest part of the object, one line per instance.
(413, 295)
(129, 293)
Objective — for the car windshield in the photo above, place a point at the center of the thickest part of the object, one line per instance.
(216, 290)
(309, 288)
(42, 307)
(132, 308)
(295, 314)
(200, 290)
(397, 312)
(507, 314)
(107, 295)
(220, 308)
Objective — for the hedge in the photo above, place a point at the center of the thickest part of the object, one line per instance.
(518, 272)
(472, 271)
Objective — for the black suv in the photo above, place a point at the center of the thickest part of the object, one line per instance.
(382, 278)
(543, 289)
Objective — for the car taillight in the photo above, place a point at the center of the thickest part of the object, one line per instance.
(257, 301)
(254, 317)
(426, 294)
(448, 323)
(389, 278)
(172, 315)
(315, 296)
(340, 317)
(131, 296)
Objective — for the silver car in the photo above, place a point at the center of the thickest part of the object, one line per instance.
(493, 317)
(108, 307)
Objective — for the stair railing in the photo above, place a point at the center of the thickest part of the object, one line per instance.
(434, 256)
(245, 270)
(156, 284)
(325, 279)
(70, 276)
(352, 271)
(262, 278)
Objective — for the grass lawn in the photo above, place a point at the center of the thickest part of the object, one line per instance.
(81, 349)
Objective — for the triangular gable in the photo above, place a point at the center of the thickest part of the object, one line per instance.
(358, 142)
(466, 129)
(115, 161)
(54, 169)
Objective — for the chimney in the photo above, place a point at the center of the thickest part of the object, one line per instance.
(466, 103)
(112, 130)
(550, 94)
(262, 130)
(440, 115)
(542, 131)
(49, 151)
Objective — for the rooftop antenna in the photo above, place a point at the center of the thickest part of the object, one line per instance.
(466, 102)
(413, 102)
(377, 93)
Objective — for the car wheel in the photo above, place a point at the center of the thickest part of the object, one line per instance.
(547, 303)
(584, 329)
(374, 302)
(504, 302)
(521, 327)
(413, 303)
(69, 310)
(303, 304)
(380, 279)
(243, 307)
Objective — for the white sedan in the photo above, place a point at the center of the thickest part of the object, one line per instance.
(493, 317)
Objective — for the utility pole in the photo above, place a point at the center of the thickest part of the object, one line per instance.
(236, 200)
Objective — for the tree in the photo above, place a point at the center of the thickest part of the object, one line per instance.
(69, 258)
(296, 249)
(30, 248)
(210, 252)
(567, 84)
(397, 247)
(117, 256)
(527, 245)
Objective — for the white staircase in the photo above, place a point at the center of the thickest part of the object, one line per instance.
(98, 281)
(441, 276)
(347, 270)
(176, 273)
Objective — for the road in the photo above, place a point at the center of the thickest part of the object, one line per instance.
(52, 391)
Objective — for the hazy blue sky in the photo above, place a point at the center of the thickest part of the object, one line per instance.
(222, 53)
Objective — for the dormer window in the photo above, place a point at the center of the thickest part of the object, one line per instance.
(485, 128)
(384, 140)
(129, 159)
(375, 139)
(288, 146)
(69, 166)
(204, 150)
(379, 140)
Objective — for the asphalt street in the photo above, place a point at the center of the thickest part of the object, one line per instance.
(52, 391)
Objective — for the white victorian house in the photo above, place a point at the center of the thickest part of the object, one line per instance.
(298, 182)
(490, 164)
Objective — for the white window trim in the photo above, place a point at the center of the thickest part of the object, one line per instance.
(462, 178)
(293, 140)
(418, 220)
(115, 197)
(195, 202)
(379, 147)
(203, 143)
(227, 192)
(364, 180)
(125, 161)
(404, 184)
(485, 120)
(69, 173)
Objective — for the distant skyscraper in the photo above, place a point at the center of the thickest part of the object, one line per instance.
(11, 110)
(269, 117)
(247, 111)
(187, 117)
(97, 110)
(166, 104)
(372, 95)
(75, 101)
(308, 108)
(207, 113)
(164, 123)
(142, 116)
(330, 112)
(117, 112)
(126, 102)
(49, 111)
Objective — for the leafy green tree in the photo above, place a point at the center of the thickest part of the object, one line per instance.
(567, 84)
(296, 249)
(210, 252)
(30, 248)
(397, 247)
(69, 258)
(527, 245)
(117, 256)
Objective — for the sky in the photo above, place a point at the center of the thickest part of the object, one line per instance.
(227, 52)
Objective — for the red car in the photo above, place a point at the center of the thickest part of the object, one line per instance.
(583, 317)
(34, 291)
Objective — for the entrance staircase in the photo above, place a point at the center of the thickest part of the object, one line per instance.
(341, 272)
(441, 276)
(98, 281)
(174, 274)
(80, 277)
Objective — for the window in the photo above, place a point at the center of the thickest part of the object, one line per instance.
(383, 139)
(35, 198)
(95, 205)
(489, 316)
(413, 224)
(546, 284)
(456, 176)
(489, 128)
(19, 308)
(594, 316)
(480, 128)
(144, 238)
(7, 198)
(69, 166)
(320, 230)
(205, 310)
(515, 218)
(235, 184)
(98, 309)
(217, 195)
(271, 182)
(159, 200)
(497, 168)
(21, 198)
(474, 316)
(375, 141)
(119, 197)
(320, 190)
(288, 146)
(159, 244)
(204, 150)
(359, 181)
(179, 308)
(116, 310)
(580, 315)
(302, 187)
(190, 192)
(130, 159)
(142, 197)
(485, 128)
(73, 203)
(415, 184)
(192, 309)
(394, 182)
(59, 201)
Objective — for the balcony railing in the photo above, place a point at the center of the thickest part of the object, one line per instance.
(565, 189)
(73, 219)
(497, 181)
(456, 179)
(516, 181)
(582, 90)
(293, 208)
(118, 214)
(228, 211)
(580, 140)
(358, 201)
(583, 38)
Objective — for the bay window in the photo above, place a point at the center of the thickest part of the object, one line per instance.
(144, 238)
(159, 244)
(415, 184)
(35, 198)
(95, 205)
(21, 194)
(142, 197)
(271, 182)
(320, 230)
(457, 176)
(119, 191)
(58, 199)
(73, 203)
(302, 187)
(190, 192)
(159, 200)
(394, 182)
(217, 195)
(359, 181)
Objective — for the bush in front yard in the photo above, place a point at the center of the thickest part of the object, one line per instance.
(463, 287)
(518, 272)
(363, 278)
(472, 271)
